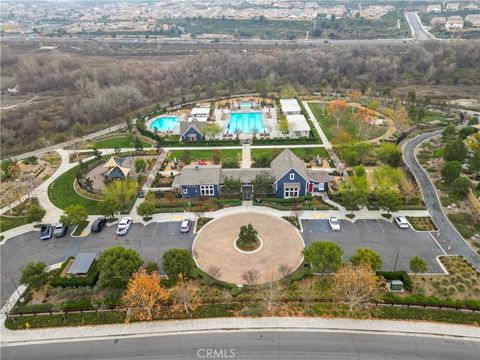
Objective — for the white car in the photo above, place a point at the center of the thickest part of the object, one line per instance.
(402, 222)
(124, 225)
(185, 226)
(334, 223)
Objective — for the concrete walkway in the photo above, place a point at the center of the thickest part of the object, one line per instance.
(197, 326)
(246, 156)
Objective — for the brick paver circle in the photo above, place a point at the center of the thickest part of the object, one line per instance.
(282, 244)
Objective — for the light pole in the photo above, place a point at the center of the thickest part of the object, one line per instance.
(396, 258)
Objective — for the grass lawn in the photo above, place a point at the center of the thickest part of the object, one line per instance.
(7, 223)
(120, 142)
(206, 154)
(431, 115)
(80, 227)
(62, 194)
(329, 125)
(300, 152)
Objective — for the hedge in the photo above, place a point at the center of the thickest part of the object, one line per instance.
(422, 300)
(397, 275)
(89, 280)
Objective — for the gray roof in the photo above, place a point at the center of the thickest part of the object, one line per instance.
(185, 125)
(286, 161)
(245, 175)
(320, 176)
(82, 263)
(198, 175)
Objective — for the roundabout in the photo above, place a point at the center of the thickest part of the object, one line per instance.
(280, 245)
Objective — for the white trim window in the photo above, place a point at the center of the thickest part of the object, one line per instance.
(207, 190)
(291, 192)
(185, 191)
(292, 176)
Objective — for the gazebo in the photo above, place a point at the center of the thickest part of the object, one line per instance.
(115, 171)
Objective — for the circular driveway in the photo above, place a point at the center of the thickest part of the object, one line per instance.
(214, 247)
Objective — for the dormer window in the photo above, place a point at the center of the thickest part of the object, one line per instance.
(292, 176)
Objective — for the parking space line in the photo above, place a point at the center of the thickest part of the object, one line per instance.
(381, 227)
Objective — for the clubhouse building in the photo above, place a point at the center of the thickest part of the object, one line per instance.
(291, 179)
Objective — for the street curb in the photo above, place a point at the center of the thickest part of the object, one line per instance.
(219, 325)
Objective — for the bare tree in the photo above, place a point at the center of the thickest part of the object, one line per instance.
(271, 293)
(284, 270)
(214, 271)
(250, 276)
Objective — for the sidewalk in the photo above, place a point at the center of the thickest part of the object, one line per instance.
(195, 326)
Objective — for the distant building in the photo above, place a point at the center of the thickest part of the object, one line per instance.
(438, 20)
(191, 130)
(471, 7)
(298, 125)
(434, 8)
(454, 23)
(290, 106)
(452, 7)
(473, 19)
(200, 113)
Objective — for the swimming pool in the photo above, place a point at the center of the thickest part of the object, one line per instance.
(164, 123)
(245, 122)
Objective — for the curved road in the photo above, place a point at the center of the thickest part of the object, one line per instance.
(254, 345)
(446, 229)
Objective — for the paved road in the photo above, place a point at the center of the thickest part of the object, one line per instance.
(379, 235)
(254, 345)
(65, 144)
(416, 27)
(432, 202)
(150, 241)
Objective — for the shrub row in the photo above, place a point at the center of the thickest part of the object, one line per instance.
(89, 280)
(472, 304)
(397, 275)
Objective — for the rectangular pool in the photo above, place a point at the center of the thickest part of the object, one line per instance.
(245, 122)
(164, 123)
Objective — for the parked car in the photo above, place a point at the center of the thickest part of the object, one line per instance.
(334, 223)
(185, 226)
(98, 224)
(60, 230)
(124, 226)
(402, 222)
(45, 232)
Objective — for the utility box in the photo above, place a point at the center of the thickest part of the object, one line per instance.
(396, 285)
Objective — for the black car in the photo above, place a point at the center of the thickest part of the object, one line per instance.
(45, 232)
(98, 224)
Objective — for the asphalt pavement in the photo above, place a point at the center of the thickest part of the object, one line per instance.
(380, 235)
(416, 27)
(254, 345)
(150, 241)
(447, 231)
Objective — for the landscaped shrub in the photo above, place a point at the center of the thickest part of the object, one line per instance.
(89, 280)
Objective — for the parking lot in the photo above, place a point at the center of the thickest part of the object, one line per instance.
(150, 241)
(380, 235)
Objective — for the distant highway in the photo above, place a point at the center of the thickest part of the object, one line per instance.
(253, 345)
(416, 26)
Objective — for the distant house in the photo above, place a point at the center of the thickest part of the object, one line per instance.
(115, 170)
(473, 19)
(436, 8)
(290, 106)
(471, 7)
(191, 130)
(291, 178)
(438, 20)
(454, 23)
(452, 7)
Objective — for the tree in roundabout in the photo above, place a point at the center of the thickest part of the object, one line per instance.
(247, 239)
